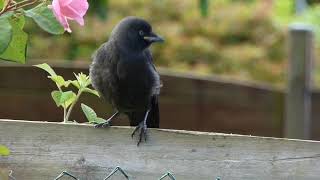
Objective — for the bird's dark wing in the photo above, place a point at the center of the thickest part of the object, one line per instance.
(154, 115)
(103, 71)
(153, 119)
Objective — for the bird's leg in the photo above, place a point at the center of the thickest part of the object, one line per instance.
(108, 122)
(143, 128)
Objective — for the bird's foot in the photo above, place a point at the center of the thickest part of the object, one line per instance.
(142, 127)
(108, 122)
(103, 125)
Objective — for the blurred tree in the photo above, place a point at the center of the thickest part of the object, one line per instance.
(264, 8)
(312, 2)
(204, 5)
(99, 8)
(237, 38)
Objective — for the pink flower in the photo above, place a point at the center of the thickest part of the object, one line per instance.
(69, 9)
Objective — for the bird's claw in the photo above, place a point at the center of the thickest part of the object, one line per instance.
(143, 132)
(103, 125)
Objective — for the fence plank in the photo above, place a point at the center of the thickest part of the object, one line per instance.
(42, 150)
(298, 101)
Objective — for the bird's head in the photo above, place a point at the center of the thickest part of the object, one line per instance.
(134, 34)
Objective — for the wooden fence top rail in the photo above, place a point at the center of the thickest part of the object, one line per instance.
(42, 150)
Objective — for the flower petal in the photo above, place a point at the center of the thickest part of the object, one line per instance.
(65, 10)
(80, 20)
(81, 6)
(64, 2)
(69, 12)
(59, 16)
(56, 8)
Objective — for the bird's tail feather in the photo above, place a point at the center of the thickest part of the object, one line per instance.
(153, 120)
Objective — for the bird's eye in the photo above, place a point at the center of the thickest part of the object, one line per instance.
(141, 33)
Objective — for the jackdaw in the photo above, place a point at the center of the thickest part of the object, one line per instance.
(124, 74)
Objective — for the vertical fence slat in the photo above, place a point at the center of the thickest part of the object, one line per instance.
(298, 100)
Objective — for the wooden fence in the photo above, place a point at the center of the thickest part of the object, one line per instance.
(186, 102)
(41, 151)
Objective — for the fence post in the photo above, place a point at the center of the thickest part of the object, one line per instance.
(301, 6)
(298, 99)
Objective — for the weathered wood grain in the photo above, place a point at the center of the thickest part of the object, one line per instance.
(40, 151)
(298, 99)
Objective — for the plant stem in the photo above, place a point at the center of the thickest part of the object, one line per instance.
(15, 6)
(6, 7)
(21, 4)
(72, 105)
(64, 109)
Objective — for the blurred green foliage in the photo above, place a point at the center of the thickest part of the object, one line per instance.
(244, 40)
(284, 14)
(204, 6)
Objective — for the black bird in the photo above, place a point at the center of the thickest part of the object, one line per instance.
(123, 73)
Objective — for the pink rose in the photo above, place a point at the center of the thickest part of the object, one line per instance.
(69, 9)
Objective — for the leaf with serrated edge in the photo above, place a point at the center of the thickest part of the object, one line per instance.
(67, 83)
(16, 51)
(6, 34)
(59, 80)
(69, 101)
(4, 151)
(88, 112)
(44, 17)
(56, 97)
(63, 97)
(94, 92)
(75, 84)
(83, 80)
(99, 120)
(47, 68)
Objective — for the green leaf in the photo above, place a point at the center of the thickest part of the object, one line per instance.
(83, 80)
(47, 68)
(45, 18)
(69, 101)
(99, 120)
(75, 84)
(6, 15)
(6, 34)
(91, 115)
(16, 51)
(67, 83)
(56, 96)
(4, 151)
(1, 4)
(63, 99)
(58, 80)
(88, 112)
(94, 92)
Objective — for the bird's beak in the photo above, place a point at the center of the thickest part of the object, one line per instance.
(152, 37)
